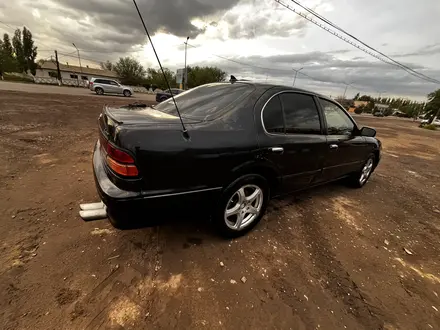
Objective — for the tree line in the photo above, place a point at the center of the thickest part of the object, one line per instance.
(131, 72)
(407, 107)
(18, 55)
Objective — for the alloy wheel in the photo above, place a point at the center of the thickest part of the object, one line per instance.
(243, 207)
(366, 171)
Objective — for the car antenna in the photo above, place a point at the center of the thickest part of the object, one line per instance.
(185, 132)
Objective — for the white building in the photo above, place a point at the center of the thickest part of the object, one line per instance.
(70, 74)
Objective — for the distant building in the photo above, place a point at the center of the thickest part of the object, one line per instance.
(380, 107)
(48, 69)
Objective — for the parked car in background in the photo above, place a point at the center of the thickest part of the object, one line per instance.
(108, 86)
(435, 122)
(166, 94)
(245, 143)
(378, 114)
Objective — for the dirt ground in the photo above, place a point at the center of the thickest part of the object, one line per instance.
(54, 89)
(329, 258)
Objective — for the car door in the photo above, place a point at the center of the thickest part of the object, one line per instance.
(105, 84)
(293, 139)
(115, 87)
(346, 149)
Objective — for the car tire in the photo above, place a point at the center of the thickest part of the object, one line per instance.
(99, 91)
(360, 178)
(126, 93)
(245, 200)
(163, 99)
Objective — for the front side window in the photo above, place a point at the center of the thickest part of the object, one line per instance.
(273, 116)
(338, 122)
(114, 83)
(74, 76)
(300, 113)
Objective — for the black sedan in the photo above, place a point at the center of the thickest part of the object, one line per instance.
(244, 144)
(166, 94)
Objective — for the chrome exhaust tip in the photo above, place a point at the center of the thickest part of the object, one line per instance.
(91, 206)
(93, 211)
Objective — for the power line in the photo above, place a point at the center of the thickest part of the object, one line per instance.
(271, 69)
(255, 66)
(389, 61)
(353, 37)
(75, 56)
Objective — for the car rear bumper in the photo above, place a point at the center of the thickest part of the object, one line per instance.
(130, 203)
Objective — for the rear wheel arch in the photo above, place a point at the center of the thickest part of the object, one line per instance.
(264, 170)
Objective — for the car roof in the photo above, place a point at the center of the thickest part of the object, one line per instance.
(269, 86)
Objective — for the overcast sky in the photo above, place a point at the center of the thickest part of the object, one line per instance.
(271, 39)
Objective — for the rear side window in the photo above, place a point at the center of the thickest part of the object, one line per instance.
(273, 116)
(300, 113)
(208, 101)
(99, 81)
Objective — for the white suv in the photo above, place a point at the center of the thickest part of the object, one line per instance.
(108, 86)
(435, 122)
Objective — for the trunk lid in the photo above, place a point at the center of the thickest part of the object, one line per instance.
(142, 116)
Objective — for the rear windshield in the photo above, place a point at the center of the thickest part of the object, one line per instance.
(206, 102)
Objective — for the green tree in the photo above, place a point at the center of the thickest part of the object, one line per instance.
(7, 54)
(433, 106)
(365, 98)
(107, 65)
(359, 109)
(356, 97)
(18, 52)
(156, 80)
(2, 61)
(369, 107)
(204, 75)
(29, 51)
(130, 71)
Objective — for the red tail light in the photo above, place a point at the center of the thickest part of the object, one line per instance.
(91, 83)
(119, 161)
(122, 169)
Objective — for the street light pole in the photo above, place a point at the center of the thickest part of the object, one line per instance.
(296, 74)
(79, 60)
(185, 85)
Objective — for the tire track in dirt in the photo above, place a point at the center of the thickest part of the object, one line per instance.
(335, 278)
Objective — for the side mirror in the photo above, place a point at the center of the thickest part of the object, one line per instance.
(368, 131)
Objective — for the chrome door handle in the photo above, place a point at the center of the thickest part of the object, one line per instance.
(334, 146)
(277, 150)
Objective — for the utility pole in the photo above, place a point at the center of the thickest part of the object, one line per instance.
(60, 81)
(345, 92)
(296, 74)
(185, 78)
(79, 60)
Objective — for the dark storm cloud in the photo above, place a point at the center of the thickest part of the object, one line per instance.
(173, 16)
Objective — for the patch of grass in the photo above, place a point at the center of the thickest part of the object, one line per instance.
(19, 78)
(431, 127)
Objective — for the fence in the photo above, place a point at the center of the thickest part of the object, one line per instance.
(81, 83)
